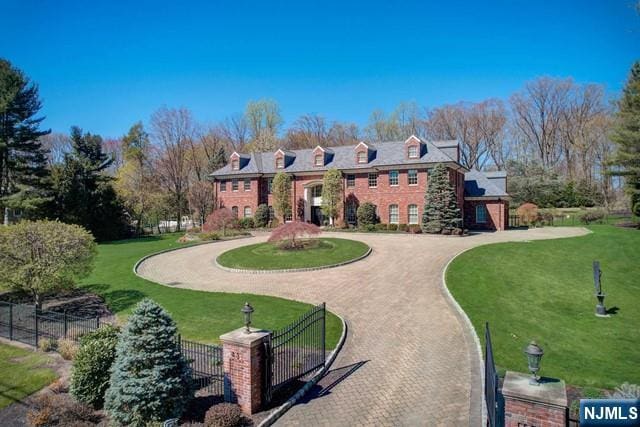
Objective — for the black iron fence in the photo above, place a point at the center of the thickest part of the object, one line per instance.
(295, 351)
(205, 360)
(26, 324)
(490, 380)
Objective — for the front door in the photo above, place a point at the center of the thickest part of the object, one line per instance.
(316, 215)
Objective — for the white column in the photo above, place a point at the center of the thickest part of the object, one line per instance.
(307, 205)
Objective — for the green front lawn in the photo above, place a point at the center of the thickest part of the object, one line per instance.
(201, 316)
(268, 256)
(543, 290)
(22, 373)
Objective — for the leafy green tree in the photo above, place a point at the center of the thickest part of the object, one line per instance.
(264, 120)
(332, 194)
(626, 134)
(92, 365)
(441, 211)
(150, 380)
(262, 216)
(281, 191)
(24, 177)
(44, 256)
(366, 214)
(84, 193)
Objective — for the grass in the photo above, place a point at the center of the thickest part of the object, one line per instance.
(201, 316)
(544, 290)
(22, 373)
(268, 256)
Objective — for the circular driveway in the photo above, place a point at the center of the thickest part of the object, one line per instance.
(409, 357)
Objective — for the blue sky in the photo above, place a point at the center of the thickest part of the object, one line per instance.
(105, 66)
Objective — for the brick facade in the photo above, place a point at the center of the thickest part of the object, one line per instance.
(527, 405)
(497, 214)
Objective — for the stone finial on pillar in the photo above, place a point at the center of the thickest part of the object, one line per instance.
(243, 362)
(543, 405)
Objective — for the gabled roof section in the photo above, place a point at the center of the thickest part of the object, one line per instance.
(413, 138)
(478, 184)
(367, 146)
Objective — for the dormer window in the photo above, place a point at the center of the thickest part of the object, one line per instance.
(319, 160)
(279, 162)
(412, 152)
(362, 157)
(235, 164)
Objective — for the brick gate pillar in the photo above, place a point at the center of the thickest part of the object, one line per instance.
(543, 405)
(243, 362)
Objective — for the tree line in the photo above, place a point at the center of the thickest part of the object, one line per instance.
(559, 140)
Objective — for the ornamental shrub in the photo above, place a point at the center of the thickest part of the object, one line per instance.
(224, 415)
(220, 220)
(52, 409)
(67, 348)
(592, 216)
(392, 227)
(403, 227)
(261, 218)
(366, 214)
(245, 223)
(91, 367)
(150, 379)
(528, 213)
(288, 235)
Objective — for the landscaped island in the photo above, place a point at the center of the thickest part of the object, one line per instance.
(317, 252)
(543, 291)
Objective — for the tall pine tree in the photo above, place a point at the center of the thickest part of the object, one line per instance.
(84, 192)
(626, 135)
(24, 177)
(441, 211)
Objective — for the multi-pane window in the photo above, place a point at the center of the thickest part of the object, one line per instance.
(362, 157)
(279, 162)
(413, 152)
(319, 160)
(234, 184)
(351, 213)
(351, 180)
(394, 214)
(481, 214)
(412, 175)
(413, 214)
(316, 191)
(247, 184)
(223, 185)
(247, 211)
(234, 211)
(373, 179)
(235, 164)
(269, 185)
(393, 177)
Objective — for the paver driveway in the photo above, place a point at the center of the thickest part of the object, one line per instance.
(409, 358)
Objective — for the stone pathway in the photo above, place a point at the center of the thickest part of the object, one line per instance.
(409, 358)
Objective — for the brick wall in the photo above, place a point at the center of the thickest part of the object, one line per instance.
(240, 198)
(521, 413)
(497, 214)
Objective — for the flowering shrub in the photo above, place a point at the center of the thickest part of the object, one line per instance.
(219, 220)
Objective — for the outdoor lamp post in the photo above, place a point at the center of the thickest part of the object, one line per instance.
(534, 354)
(247, 310)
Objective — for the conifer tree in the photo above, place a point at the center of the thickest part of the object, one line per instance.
(150, 379)
(24, 177)
(627, 136)
(441, 211)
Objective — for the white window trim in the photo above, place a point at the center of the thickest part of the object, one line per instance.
(417, 221)
(237, 185)
(397, 215)
(318, 160)
(417, 154)
(278, 160)
(397, 178)
(484, 211)
(354, 180)
(369, 180)
(408, 176)
(244, 185)
(364, 160)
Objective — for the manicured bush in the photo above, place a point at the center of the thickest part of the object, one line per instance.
(92, 365)
(246, 223)
(47, 344)
(592, 216)
(370, 227)
(209, 236)
(403, 227)
(366, 214)
(392, 227)
(51, 409)
(150, 379)
(67, 348)
(288, 235)
(224, 415)
(380, 227)
(261, 218)
(415, 229)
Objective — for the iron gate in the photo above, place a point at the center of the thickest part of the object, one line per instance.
(490, 379)
(294, 351)
(205, 361)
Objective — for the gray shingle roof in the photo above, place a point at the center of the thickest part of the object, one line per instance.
(344, 157)
(479, 184)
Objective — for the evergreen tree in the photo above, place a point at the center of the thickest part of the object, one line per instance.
(332, 194)
(23, 172)
(150, 379)
(84, 193)
(441, 211)
(281, 190)
(218, 159)
(626, 135)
